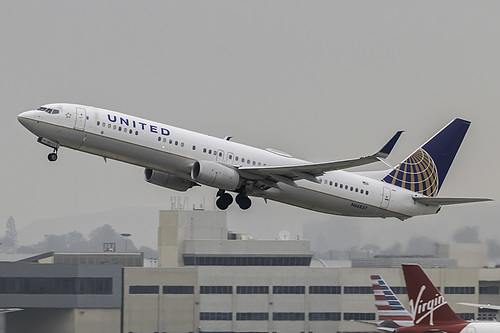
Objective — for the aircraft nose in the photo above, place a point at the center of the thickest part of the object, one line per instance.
(26, 118)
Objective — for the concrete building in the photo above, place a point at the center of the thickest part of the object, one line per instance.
(212, 280)
(209, 282)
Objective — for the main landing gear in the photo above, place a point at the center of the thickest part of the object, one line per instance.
(225, 199)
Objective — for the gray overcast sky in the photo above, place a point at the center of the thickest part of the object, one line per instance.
(322, 80)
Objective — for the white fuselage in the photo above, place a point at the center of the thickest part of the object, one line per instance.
(174, 150)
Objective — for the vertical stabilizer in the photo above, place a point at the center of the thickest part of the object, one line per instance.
(424, 171)
(389, 307)
(427, 305)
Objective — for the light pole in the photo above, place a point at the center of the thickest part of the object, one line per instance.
(125, 235)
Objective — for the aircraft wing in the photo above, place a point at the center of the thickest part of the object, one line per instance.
(441, 201)
(486, 306)
(9, 310)
(309, 171)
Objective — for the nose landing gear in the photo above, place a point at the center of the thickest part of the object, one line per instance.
(53, 156)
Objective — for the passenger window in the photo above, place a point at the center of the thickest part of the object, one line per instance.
(361, 191)
(253, 163)
(164, 139)
(103, 124)
(259, 164)
(170, 141)
(204, 150)
(136, 132)
(352, 188)
(159, 138)
(176, 143)
(242, 160)
(114, 127)
(109, 125)
(130, 131)
(120, 128)
(182, 144)
(210, 151)
(356, 190)
(336, 184)
(248, 161)
(341, 186)
(366, 192)
(98, 123)
(236, 158)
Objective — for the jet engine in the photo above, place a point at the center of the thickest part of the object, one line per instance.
(167, 180)
(216, 175)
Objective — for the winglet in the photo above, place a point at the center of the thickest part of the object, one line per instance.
(386, 150)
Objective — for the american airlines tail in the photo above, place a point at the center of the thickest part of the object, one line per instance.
(389, 308)
(427, 306)
(424, 171)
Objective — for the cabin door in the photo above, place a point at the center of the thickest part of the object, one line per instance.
(386, 198)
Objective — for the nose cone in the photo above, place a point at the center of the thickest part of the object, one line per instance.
(27, 119)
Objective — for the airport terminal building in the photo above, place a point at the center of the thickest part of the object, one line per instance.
(212, 280)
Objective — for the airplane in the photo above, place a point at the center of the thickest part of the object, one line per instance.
(179, 159)
(391, 312)
(431, 312)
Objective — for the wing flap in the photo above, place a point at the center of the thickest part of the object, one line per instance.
(442, 201)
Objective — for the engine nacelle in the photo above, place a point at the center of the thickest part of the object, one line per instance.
(167, 180)
(216, 175)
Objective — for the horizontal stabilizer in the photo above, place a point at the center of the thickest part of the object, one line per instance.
(442, 201)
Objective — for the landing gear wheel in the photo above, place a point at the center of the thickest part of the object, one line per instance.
(243, 201)
(224, 201)
(52, 157)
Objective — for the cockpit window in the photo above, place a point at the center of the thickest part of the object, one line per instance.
(50, 111)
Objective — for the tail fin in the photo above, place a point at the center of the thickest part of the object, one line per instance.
(427, 305)
(424, 171)
(389, 307)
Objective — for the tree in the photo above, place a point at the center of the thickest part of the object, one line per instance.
(9, 241)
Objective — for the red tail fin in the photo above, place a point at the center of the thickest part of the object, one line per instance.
(427, 305)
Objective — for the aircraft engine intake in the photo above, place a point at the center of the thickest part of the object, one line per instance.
(216, 175)
(167, 180)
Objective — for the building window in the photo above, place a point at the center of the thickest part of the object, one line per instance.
(358, 316)
(489, 290)
(56, 286)
(487, 314)
(459, 290)
(194, 260)
(399, 290)
(293, 316)
(324, 316)
(358, 290)
(216, 316)
(466, 316)
(216, 289)
(324, 289)
(143, 290)
(178, 289)
(252, 290)
(289, 290)
(252, 316)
